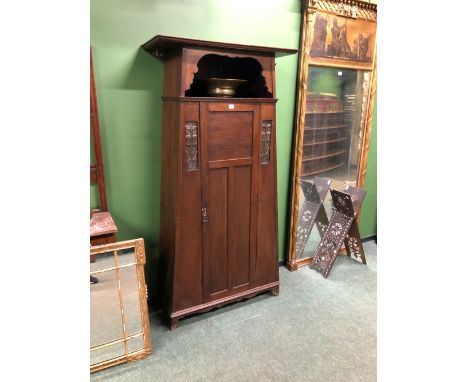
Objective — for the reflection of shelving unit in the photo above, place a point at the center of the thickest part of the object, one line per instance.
(327, 155)
(307, 173)
(324, 135)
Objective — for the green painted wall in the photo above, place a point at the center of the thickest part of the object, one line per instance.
(368, 223)
(129, 88)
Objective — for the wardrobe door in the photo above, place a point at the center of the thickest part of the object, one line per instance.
(230, 136)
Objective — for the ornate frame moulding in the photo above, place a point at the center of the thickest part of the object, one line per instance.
(140, 259)
(358, 22)
(349, 8)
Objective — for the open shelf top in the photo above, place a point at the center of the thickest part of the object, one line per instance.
(158, 45)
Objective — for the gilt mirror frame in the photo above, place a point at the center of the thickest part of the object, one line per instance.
(140, 259)
(359, 15)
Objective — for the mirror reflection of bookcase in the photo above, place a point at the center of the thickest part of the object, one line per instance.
(337, 83)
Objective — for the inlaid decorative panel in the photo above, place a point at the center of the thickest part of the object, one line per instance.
(265, 142)
(342, 229)
(312, 211)
(191, 145)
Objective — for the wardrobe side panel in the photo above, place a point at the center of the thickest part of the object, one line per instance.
(169, 165)
(188, 242)
(266, 270)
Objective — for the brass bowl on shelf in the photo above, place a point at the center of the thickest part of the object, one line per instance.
(222, 87)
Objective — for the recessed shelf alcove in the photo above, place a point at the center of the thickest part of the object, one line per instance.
(189, 61)
(225, 67)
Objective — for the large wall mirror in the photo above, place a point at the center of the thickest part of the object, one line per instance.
(337, 84)
(119, 312)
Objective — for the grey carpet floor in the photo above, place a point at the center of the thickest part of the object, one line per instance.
(315, 330)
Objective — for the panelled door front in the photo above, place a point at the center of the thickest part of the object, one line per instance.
(230, 137)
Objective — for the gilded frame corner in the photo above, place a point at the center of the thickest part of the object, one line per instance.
(140, 261)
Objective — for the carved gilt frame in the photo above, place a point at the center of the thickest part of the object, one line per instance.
(352, 10)
(140, 260)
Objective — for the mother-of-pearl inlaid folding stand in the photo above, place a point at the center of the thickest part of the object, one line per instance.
(312, 210)
(341, 228)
